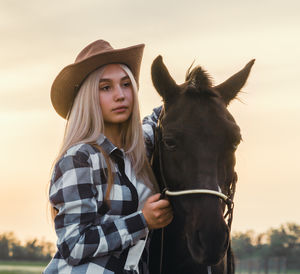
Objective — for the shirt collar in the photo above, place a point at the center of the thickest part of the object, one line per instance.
(107, 145)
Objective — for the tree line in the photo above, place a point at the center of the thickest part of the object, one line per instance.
(32, 250)
(280, 244)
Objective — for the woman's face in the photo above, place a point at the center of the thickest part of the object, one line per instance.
(116, 95)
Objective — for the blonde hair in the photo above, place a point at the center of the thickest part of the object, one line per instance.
(85, 124)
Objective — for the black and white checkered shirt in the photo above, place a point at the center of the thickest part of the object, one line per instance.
(92, 236)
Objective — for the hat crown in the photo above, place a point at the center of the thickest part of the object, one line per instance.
(97, 47)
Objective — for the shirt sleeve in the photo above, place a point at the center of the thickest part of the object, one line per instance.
(80, 235)
(149, 125)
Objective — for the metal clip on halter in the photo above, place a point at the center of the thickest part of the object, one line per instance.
(163, 193)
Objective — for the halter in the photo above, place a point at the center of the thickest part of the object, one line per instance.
(198, 191)
(228, 199)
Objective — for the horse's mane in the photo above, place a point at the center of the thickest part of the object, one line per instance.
(199, 82)
(198, 77)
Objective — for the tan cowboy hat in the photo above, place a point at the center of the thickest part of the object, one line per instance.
(67, 83)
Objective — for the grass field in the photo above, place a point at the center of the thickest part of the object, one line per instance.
(21, 267)
(27, 267)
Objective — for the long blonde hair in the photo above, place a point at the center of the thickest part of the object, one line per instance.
(85, 124)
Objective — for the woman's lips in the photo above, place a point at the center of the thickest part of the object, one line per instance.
(120, 109)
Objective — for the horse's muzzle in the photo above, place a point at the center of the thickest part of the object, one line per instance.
(209, 248)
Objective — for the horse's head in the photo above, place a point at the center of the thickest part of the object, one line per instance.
(199, 139)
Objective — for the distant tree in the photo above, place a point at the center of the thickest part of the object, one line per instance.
(242, 244)
(4, 247)
(18, 251)
(262, 250)
(6, 241)
(34, 251)
(285, 242)
(11, 248)
(293, 260)
(48, 249)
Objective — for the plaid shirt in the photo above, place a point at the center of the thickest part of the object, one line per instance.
(94, 237)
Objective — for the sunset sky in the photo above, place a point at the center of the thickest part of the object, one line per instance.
(39, 38)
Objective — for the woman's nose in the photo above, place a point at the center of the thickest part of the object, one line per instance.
(119, 93)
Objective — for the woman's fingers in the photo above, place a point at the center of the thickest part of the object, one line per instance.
(163, 203)
(165, 219)
(153, 198)
(158, 213)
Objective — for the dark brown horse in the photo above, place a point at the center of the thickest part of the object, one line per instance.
(195, 149)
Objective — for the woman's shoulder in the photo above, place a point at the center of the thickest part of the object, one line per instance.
(73, 175)
(79, 155)
(77, 159)
(153, 117)
(85, 148)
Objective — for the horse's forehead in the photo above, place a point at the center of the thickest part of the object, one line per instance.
(198, 115)
(193, 108)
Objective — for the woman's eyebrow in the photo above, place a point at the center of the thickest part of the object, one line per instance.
(104, 80)
(109, 80)
(125, 77)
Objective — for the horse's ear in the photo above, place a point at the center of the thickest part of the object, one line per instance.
(230, 88)
(162, 80)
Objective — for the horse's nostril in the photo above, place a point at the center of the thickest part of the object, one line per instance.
(216, 241)
(199, 240)
(199, 237)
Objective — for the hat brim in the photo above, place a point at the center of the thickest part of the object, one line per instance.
(65, 86)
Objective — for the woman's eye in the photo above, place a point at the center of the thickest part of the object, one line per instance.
(127, 84)
(105, 88)
(169, 143)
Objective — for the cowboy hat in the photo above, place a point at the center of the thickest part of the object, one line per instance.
(99, 53)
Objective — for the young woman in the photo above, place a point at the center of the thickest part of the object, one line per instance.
(102, 190)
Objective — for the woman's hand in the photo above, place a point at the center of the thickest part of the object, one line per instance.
(158, 213)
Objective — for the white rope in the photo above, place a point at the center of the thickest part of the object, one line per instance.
(197, 191)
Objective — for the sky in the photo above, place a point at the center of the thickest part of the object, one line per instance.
(39, 38)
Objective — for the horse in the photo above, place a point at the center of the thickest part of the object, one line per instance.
(193, 160)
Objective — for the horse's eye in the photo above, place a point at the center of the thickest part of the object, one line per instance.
(235, 146)
(169, 143)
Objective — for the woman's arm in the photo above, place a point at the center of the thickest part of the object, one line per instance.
(80, 235)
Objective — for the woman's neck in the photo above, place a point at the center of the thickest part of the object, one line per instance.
(113, 133)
